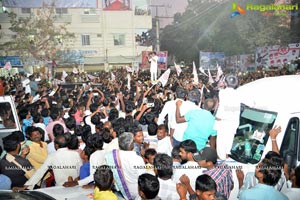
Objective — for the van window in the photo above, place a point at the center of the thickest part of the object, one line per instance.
(7, 120)
(290, 143)
(251, 136)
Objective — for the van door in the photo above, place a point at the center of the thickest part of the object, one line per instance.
(289, 149)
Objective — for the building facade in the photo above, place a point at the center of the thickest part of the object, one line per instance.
(107, 32)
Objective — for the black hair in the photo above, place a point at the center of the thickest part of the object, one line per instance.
(97, 141)
(205, 183)
(175, 152)
(162, 127)
(271, 171)
(189, 146)
(149, 152)
(297, 174)
(58, 129)
(61, 141)
(152, 128)
(113, 114)
(73, 142)
(88, 151)
(163, 164)
(107, 138)
(70, 123)
(181, 93)
(103, 178)
(149, 185)
(129, 107)
(45, 112)
(37, 117)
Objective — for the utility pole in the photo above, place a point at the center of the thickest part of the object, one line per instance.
(157, 24)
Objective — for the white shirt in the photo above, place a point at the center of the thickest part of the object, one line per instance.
(153, 65)
(185, 107)
(291, 193)
(133, 166)
(63, 162)
(164, 146)
(25, 83)
(114, 144)
(96, 160)
(191, 169)
(170, 110)
(42, 126)
(167, 189)
(228, 109)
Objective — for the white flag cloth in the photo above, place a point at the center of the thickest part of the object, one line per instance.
(129, 69)
(64, 74)
(219, 73)
(202, 71)
(164, 77)
(75, 70)
(91, 77)
(128, 81)
(196, 81)
(113, 77)
(210, 78)
(7, 65)
(178, 69)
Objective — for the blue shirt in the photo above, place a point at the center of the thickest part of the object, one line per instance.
(262, 192)
(84, 170)
(200, 127)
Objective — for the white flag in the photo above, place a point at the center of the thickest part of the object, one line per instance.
(219, 73)
(7, 65)
(210, 78)
(164, 77)
(128, 81)
(91, 77)
(113, 77)
(64, 75)
(202, 71)
(196, 81)
(129, 69)
(178, 69)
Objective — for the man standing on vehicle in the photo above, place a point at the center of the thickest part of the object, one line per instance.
(153, 66)
(227, 116)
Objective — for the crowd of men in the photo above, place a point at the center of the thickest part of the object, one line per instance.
(132, 139)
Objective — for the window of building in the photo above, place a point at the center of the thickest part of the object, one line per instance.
(61, 11)
(85, 40)
(25, 10)
(119, 39)
(91, 11)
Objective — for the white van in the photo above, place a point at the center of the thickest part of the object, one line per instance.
(265, 103)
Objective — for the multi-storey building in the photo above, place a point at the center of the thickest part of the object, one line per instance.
(107, 32)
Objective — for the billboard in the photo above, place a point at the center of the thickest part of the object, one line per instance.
(276, 56)
(162, 60)
(47, 3)
(209, 60)
(116, 5)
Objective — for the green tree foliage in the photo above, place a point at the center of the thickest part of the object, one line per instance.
(207, 26)
(38, 36)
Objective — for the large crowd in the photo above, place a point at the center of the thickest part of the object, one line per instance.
(132, 139)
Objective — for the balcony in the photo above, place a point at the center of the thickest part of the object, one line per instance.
(63, 18)
(4, 18)
(90, 19)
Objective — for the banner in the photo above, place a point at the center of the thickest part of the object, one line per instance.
(116, 5)
(276, 56)
(178, 69)
(49, 3)
(209, 60)
(162, 60)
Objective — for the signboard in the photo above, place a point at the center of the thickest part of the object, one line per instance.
(50, 3)
(209, 60)
(162, 60)
(14, 60)
(116, 5)
(276, 56)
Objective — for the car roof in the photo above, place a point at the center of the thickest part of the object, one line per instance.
(277, 94)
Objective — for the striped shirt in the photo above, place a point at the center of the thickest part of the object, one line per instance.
(222, 175)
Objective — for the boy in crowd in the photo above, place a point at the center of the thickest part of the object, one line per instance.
(148, 187)
(103, 183)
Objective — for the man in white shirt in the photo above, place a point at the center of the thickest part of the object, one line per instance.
(153, 66)
(126, 165)
(164, 144)
(227, 116)
(163, 167)
(191, 168)
(65, 163)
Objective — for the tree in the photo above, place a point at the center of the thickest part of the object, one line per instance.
(207, 26)
(38, 36)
